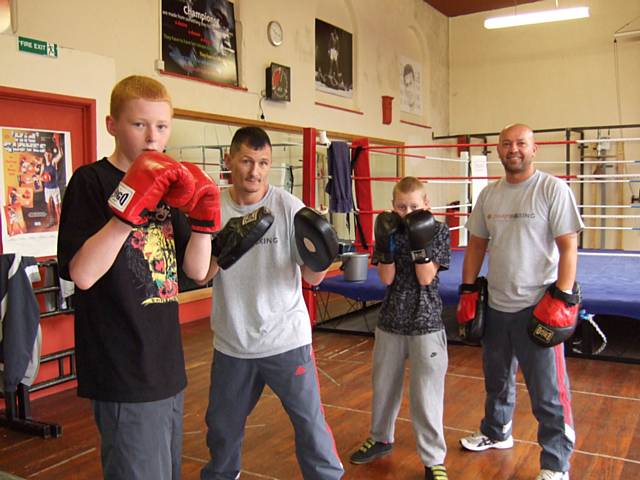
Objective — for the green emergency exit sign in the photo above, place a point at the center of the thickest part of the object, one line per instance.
(39, 47)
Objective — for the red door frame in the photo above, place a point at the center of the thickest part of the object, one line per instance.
(87, 107)
(57, 330)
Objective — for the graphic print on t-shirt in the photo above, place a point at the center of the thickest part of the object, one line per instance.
(150, 252)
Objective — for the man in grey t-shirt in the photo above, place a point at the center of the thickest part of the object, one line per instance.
(261, 324)
(529, 222)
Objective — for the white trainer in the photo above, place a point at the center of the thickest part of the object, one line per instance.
(479, 442)
(551, 475)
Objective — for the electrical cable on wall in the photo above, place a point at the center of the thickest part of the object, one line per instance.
(262, 97)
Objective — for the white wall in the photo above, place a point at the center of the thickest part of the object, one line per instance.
(115, 38)
(552, 75)
(555, 75)
(129, 33)
(74, 73)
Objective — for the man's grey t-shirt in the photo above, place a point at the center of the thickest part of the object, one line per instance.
(258, 309)
(521, 221)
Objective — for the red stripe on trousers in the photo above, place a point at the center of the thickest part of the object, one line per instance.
(558, 350)
(335, 449)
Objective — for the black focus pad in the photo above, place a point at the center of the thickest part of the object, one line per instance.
(473, 331)
(239, 235)
(316, 239)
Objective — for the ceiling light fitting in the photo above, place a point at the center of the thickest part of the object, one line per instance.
(533, 18)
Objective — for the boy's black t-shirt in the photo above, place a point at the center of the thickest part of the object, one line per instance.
(127, 334)
(409, 308)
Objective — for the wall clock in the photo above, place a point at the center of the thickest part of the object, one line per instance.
(275, 33)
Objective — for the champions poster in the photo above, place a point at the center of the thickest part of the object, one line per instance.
(199, 39)
(36, 165)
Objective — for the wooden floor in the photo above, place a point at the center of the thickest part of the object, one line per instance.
(606, 402)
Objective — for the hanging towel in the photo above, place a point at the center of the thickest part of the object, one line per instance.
(339, 185)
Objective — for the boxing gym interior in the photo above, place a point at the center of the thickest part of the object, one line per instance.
(385, 89)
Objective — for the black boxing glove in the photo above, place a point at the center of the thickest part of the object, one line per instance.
(386, 226)
(422, 228)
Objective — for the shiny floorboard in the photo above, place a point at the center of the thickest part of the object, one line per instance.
(606, 405)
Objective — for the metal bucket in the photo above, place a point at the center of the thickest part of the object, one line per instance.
(355, 266)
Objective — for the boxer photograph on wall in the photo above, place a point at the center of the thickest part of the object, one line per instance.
(334, 60)
(410, 86)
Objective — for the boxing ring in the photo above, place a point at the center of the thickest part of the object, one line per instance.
(608, 277)
(607, 280)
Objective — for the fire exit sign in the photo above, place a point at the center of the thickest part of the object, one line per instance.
(39, 47)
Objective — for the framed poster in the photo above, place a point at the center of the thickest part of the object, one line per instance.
(36, 167)
(278, 82)
(410, 86)
(199, 39)
(334, 60)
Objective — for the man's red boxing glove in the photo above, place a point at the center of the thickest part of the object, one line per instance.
(472, 310)
(203, 209)
(468, 302)
(152, 177)
(555, 317)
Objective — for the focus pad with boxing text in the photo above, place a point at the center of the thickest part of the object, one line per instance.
(316, 239)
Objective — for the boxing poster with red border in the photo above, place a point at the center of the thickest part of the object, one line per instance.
(36, 165)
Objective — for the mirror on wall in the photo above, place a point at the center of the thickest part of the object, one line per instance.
(205, 142)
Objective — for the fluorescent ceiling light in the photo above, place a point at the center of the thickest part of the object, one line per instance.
(555, 15)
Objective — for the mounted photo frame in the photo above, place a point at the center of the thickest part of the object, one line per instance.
(410, 86)
(278, 82)
(334, 60)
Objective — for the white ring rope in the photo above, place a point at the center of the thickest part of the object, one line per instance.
(570, 180)
(607, 254)
(458, 160)
(425, 157)
(608, 206)
(610, 216)
(609, 175)
(608, 140)
(573, 162)
(589, 227)
(445, 207)
(448, 181)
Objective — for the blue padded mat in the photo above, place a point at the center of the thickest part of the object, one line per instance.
(610, 283)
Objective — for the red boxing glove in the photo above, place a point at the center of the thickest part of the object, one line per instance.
(203, 209)
(555, 317)
(152, 177)
(554, 312)
(468, 302)
(472, 310)
(467, 307)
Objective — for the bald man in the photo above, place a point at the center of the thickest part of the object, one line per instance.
(529, 222)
